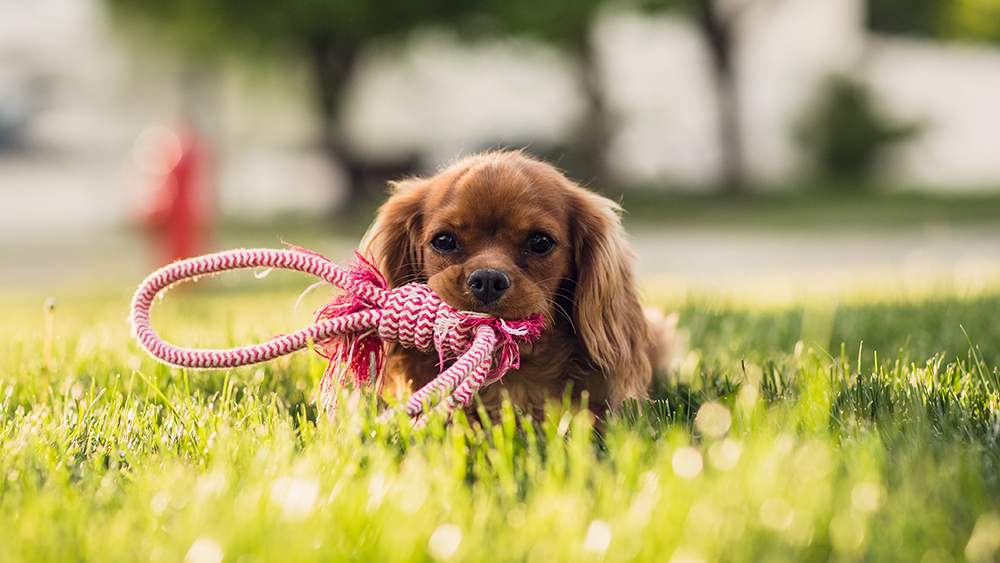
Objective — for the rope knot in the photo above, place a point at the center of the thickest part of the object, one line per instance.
(409, 316)
(510, 334)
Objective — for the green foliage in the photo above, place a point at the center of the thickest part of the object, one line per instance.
(566, 23)
(910, 17)
(657, 5)
(249, 28)
(954, 19)
(760, 450)
(845, 132)
(254, 26)
(976, 19)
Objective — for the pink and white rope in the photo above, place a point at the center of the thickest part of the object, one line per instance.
(412, 315)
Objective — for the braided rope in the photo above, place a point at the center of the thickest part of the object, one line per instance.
(412, 315)
(193, 268)
(477, 356)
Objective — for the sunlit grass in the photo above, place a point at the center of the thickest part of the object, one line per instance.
(778, 436)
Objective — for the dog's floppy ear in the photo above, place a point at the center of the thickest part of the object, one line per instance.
(606, 311)
(394, 238)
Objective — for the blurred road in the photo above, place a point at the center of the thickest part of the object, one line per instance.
(779, 262)
(807, 261)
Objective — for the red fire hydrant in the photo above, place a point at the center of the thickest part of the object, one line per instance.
(177, 212)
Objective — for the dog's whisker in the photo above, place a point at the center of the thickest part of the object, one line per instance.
(562, 311)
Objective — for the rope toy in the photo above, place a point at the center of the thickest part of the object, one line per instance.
(352, 330)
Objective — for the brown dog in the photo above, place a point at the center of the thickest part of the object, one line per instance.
(505, 234)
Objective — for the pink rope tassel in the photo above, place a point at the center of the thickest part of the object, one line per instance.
(350, 331)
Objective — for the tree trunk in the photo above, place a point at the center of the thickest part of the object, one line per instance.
(595, 130)
(730, 131)
(332, 65)
(718, 34)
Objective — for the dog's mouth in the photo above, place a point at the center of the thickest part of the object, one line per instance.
(502, 308)
(513, 305)
(506, 307)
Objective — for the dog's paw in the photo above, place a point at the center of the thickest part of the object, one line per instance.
(668, 342)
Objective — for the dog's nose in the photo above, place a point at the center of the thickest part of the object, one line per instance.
(488, 284)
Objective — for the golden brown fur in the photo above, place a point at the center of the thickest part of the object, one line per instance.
(494, 206)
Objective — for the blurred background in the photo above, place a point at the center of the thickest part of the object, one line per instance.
(790, 145)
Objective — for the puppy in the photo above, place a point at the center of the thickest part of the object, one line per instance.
(505, 234)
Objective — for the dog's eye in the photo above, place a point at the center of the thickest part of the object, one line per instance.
(444, 243)
(540, 244)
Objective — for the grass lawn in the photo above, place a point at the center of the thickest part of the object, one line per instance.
(789, 208)
(779, 436)
(810, 209)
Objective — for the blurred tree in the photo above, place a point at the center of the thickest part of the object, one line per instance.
(567, 24)
(718, 22)
(329, 35)
(975, 19)
(954, 19)
(845, 132)
(906, 17)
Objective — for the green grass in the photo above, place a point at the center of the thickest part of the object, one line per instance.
(770, 441)
(802, 208)
(794, 207)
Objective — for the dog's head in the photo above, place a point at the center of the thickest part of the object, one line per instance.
(511, 236)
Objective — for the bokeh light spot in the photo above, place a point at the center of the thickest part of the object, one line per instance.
(687, 463)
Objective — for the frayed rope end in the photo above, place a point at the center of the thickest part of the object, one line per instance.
(357, 359)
